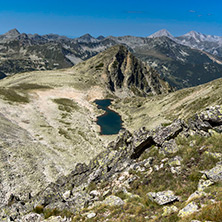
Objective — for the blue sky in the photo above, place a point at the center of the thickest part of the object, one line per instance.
(114, 17)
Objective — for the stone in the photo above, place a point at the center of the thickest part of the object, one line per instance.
(113, 201)
(32, 217)
(197, 194)
(203, 184)
(162, 198)
(169, 147)
(66, 195)
(212, 114)
(175, 170)
(215, 174)
(91, 215)
(169, 210)
(57, 219)
(161, 134)
(94, 193)
(188, 210)
(215, 155)
(176, 161)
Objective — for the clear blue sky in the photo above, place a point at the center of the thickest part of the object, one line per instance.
(114, 17)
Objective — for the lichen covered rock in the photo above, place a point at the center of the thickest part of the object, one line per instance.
(188, 210)
(113, 201)
(164, 197)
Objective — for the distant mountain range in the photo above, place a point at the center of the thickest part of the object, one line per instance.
(184, 61)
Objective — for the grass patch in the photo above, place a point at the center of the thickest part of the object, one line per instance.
(52, 212)
(13, 96)
(64, 133)
(65, 104)
(30, 86)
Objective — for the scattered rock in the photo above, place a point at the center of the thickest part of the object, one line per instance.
(189, 209)
(169, 147)
(203, 184)
(66, 195)
(91, 215)
(176, 161)
(215, 174)
(94, 193)
(164, 197)
(197, 194)
(215, 155)
(57, 219)
(175, 170)
(32, 217)
(113, 201)
(169, 210)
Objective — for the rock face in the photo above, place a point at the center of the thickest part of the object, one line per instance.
(126, 71)
(124, 74)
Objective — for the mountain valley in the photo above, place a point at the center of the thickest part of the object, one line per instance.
(164, 166)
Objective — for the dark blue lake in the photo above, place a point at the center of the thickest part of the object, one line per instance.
(110, 122)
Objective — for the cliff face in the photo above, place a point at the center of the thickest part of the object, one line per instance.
(123, 74)
(125, 71)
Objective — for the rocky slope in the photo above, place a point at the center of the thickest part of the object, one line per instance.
(125, 182)
(179, 64)
(48, 118)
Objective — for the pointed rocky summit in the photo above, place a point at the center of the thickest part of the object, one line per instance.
(123, 73)
(161, 33)
(12, 33)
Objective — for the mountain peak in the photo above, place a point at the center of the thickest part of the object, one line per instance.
(12, 32)
(124, 74)
(86, 38)
(101, 37)
(193, 34)
(160, 33)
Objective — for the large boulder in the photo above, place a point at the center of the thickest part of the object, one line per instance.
(161, 134)
(215, 174)
(212, 114)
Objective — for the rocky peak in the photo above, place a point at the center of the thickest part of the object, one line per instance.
(129, 75)
(12, 33)
(162, 32)
(101, 37)
(86, 38)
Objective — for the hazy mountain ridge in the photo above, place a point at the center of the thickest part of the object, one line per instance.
(181, 65)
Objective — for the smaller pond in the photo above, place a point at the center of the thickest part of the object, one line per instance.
(110, 122)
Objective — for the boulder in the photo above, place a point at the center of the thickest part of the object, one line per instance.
(188, 210)
(203, 184)
(169, 147)
(213, 115)
(162, 134)
(162, 198)
(113, 201)
(215, 174)
(196, 195)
